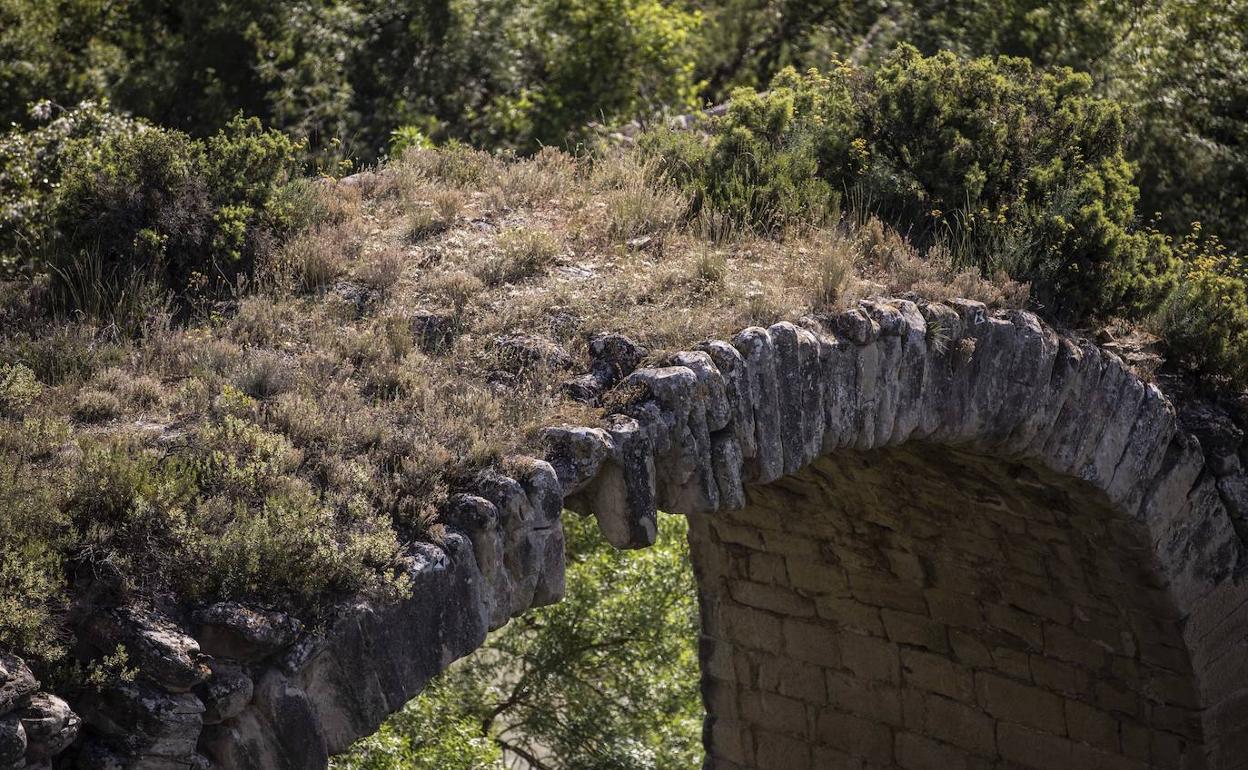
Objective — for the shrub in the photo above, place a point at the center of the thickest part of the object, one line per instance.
(62, 352)
(31, 586)
(265, 375)
(96, 406)
(128, 511)
(772, 158)
(520, 253)
(18, 389)
(1022, 169)
(382, 270)
(247, 168)
(157, 207)
(1007, 167)
(224, 517)
(1204, 321)
(31, 165)
(33, 538)
(293, 546)
(406, 138)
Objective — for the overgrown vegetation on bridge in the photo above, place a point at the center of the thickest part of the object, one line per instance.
(226, 374)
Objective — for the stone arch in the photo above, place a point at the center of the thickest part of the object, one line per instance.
(725, 432)
(774, 444)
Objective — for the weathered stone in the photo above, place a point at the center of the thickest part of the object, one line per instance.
(226, 694)
(233, 630)
(1219, 436)
(732, 368)
(17, 682)
(50, 726)
(712, 390)
(623, 495)
(544, 506)
(12, 741)
(758, 352)
(155, 645)
(856, 326)
(675, 417)
(284, 704)
(478, 519)
(139, 720)
(576, 454)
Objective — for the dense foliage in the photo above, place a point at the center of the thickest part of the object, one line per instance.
(157, 207)
(31, 165)
(121, 213)
(1204, 320)
(618, 656)
(1006, 166)
(344, 74)
(1178, 67)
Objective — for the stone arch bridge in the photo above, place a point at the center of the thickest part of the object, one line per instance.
(924, 536)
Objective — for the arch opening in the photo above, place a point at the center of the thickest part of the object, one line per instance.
(926, 606)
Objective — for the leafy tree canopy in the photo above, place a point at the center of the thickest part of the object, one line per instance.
(605, 679)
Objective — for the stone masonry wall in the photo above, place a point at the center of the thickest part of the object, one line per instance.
(927, 608)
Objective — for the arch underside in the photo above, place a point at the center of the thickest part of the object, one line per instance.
(924, 606)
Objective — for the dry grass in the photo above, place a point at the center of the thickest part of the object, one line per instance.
(366, 347)
(553, 245)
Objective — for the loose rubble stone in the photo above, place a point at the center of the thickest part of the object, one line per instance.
(434, 332)
(519, 352)
(613, 357)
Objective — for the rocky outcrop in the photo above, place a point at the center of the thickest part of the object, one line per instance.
(35, 726)
(240, 687)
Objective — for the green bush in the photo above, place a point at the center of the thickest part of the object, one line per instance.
(293, 547)
(589, 59)
(156, 208)
(1007, 167)
(18, 389)
(1204, 321)
(31, 165)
